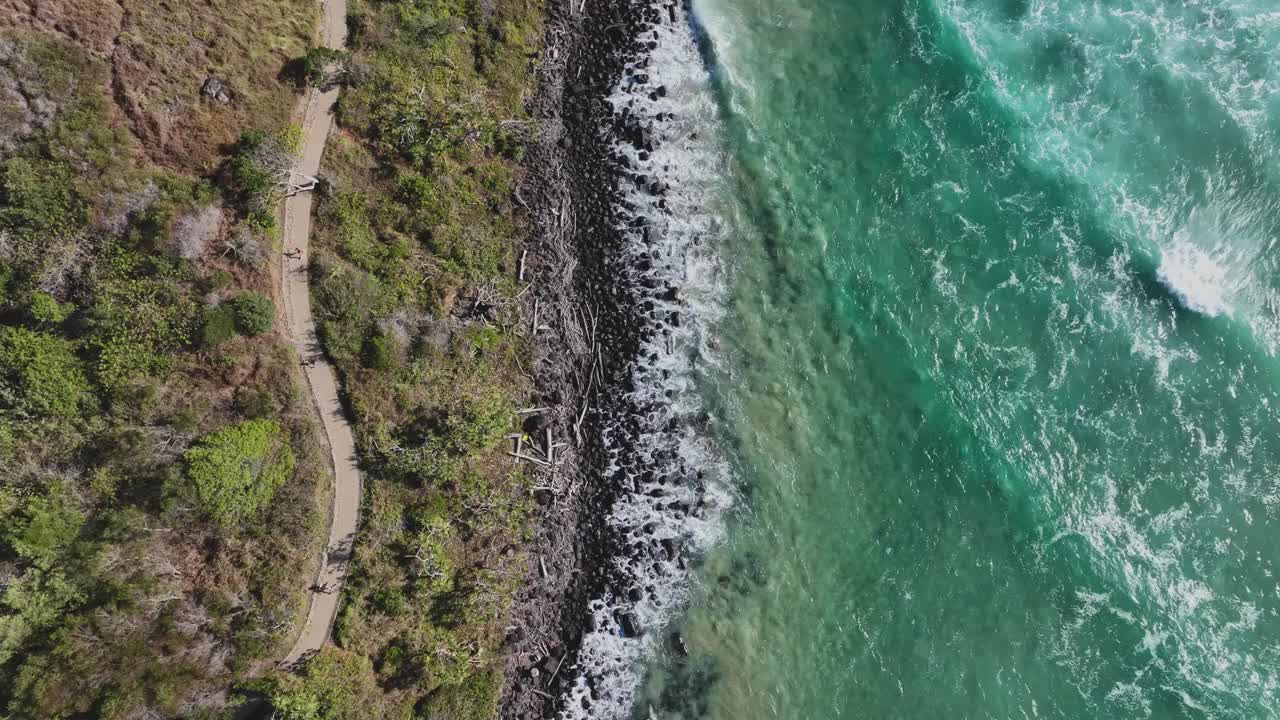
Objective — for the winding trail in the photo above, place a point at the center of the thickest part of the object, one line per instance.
(321, 380)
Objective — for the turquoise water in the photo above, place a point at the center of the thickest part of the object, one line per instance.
(997, 369)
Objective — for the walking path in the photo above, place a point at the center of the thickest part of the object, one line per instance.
(321, 381)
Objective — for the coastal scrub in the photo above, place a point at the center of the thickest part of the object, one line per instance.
(160, 475)
(415, 281)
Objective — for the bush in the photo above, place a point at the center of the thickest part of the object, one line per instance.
(429, 550)
(415, 190)
(138, 322)
(261, 221)
(358, 241)
(476, 698)
(40, 374)
(480, 424)
(45, 309)
(254, 313)
(316, 64)
(237, 469)
(219, 326)
(217, 280)
(334, 685)
(381, 351)
(261, 164)
(38, 197)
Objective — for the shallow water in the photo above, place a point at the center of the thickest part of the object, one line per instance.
(996, 370)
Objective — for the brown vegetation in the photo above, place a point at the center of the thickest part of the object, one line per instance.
(160, 54)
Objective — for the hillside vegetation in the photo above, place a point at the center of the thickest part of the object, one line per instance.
(415, 281)
(161, 481)
(160, 55)
(162, 485)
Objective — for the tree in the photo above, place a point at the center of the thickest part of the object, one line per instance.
(262, 166)
(254, 313)
(322, 66)
(40, 374)
(47, 531)
(237, 469)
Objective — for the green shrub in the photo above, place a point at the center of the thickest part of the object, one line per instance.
(49, 527)
(104, 481)
(219, 326)
(218, 279)
(45, 309)
(390, 601)
(249, 176)
(381, 352)
(8, 443)
(6, 280)
(262, 221)
(475, 698)
(34, 602)
(444, 656)
(346, 298)
(142, 313)
(141, 342)
(38, 196)
(40, 374)
(416, 191)
(255, 402)
(479, 424)
(260, 167)
(359, 243)
(430, 553)
(237, 469)
(315, 64)
(334, 685)
(254, 313)
(428, 464)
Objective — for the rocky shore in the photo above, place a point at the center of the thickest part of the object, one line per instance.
(604, 312)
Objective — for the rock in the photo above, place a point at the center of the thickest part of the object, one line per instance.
(216, 90)
(678, 646)
(630, 625)
(670, 548)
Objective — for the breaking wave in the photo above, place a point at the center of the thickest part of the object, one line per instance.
(679, 486)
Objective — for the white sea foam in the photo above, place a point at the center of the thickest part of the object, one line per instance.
(681, 252)
(1198, 279)
(1212, 260)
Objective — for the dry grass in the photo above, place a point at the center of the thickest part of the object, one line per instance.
(162, 52)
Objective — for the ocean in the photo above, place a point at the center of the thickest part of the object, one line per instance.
(984, 331)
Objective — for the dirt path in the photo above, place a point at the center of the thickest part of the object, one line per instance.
(321, 381)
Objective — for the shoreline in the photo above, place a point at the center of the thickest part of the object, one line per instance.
(600, 306)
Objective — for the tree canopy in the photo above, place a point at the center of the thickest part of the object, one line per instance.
(237, 469)
(40, 373)
(254, 313)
